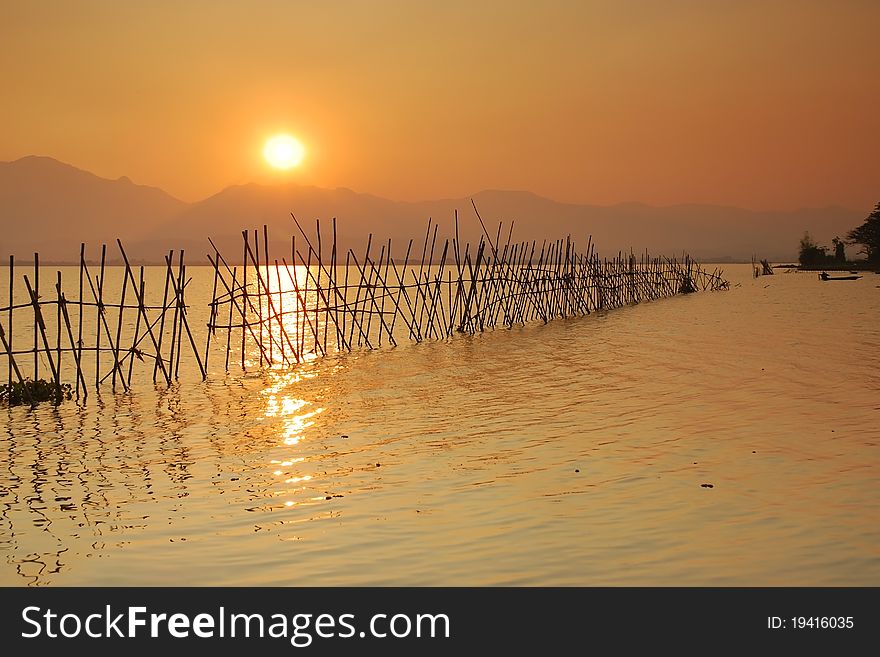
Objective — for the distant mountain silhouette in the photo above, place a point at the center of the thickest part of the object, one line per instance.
(51, 207)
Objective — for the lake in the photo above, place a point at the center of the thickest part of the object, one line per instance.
(578, 452)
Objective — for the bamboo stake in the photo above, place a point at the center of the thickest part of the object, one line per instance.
(233, 300)
(299, 347)
(347, 344)
(244, 306)
(36, 312)
(179, 291)
(280, 308)
(334, 278)
(11, 365)
(401, 290)
(41, 327)
(256, 260)
(320, 257)
(373, 299)
(119, 322)
(79, 329)
(100, 316)
(371, 290)
(75, 348)
(133, 352)
(264, 290)
(165, 307)
(58, 332)
(310, 275)
(101, 320)
(213, 317)
(8, 347)
(229, 332)
(270, 305)
(142, 310)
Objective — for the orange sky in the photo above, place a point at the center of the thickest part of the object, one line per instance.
(766, 105)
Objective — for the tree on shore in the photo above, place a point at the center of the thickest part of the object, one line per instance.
(839, 250)
(811, 253)
(868, 235)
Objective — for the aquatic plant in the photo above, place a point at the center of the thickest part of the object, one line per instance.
(31, 392)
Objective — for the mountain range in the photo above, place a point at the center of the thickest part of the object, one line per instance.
(51, 207)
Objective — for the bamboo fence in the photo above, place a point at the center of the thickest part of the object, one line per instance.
(271, 312)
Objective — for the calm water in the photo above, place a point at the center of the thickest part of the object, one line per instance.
(571, 453)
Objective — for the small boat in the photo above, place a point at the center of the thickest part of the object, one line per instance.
(825, 277)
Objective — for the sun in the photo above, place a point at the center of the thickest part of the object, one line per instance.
(283, 151)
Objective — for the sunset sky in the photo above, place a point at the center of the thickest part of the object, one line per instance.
(764, 105)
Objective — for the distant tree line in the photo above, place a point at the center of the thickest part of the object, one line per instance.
(812, 254)
(867, 236)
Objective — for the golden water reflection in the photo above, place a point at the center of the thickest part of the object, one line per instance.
(571, 453)
(296, 417)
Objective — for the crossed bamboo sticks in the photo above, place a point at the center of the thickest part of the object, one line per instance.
(318, 302)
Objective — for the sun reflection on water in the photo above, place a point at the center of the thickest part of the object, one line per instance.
(294, 417)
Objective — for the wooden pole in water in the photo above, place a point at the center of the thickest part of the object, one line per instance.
(181, 288)
(385, 291)
(334, 278)
(309, 275)
(270, 306)
(41, 327)
(79, 328)
(11, 364)
(133, 352)
(231, 306)
(8, 347)
(256, 260)
(246, 298)
(58, 331)
(329, 286)
(366, 285)
(382, 323)
(232, 299)
(357, 297)
(418, 292)
(142, 311)
(99, 317)
(174, 324)
(298, 345)
(371, 290)
(265, 290)
(303, 313)
(36, 312)
(119, 323)
(213, 318)
(519, 291)
(77, 353)
(320, 292)
(401, 291)
(305, 309)
(280, 307)
(244, 305)
(291, 274)
(387, 287)
(318, 288)
(159, 356)
(181, 281)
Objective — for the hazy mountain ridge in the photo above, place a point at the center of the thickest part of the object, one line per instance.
(51, 207)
